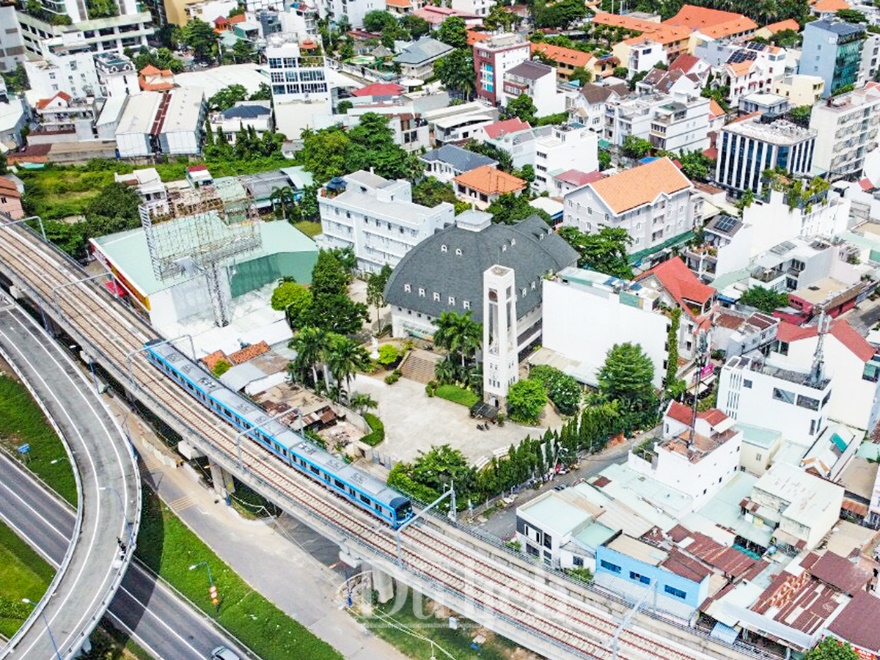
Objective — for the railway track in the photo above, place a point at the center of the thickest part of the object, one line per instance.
(572, 624)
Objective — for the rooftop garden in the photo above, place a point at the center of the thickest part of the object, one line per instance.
(797, 193)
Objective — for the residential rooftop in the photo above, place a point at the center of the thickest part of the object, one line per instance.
(778, 131)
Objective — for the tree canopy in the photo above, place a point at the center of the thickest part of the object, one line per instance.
(696, 165)
(764, 300)
(200, 36)
(626, 377)
(228, 97)
(832, 649)
(604, 252)
(453, 32)
(561, 14)
(456, 72)
(523, 108)
(526, 400)
(295, 300)
(510, 208)
(635, 147)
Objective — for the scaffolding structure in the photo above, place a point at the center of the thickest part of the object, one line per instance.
(201, 232)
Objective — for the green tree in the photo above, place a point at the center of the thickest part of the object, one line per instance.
(832, 649)
(324, 153)
(114, 209)
(416, 26)
(102, 9)
(670, 381)
(626, 377)
(343, 107)
(526, 400)
(801, 114)
(581, 76)
(430, 192)
(453, 32)
(200, 36)
(696, 165)
(376, 283)
(604, 159)
(604, 252)
(563, 390)
(336, 312)
(372, 146)
(511, 208)
(433, 473)
(263, 93)
(295, 300)
(504, 160)
(378, 21)
(620, 72)
(344, 358)
(283, 200)
(456, 72)
(460, 335)
(228, 97)
(560, 14)
(851, 16)
(764, 300)
(523, 108)
(16, 80)
(243, 51)
(635, 147)
(220, 368)
(362, 403)
(309, 344)
(499, 18)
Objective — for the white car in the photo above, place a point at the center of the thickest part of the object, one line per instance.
(223, 653)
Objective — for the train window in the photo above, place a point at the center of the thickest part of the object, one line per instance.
(365, 499)
(339, 484)
(302, 462)
(314, 469)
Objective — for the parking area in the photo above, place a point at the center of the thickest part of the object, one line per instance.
(414, 423)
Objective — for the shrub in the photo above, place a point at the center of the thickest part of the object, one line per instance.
(393, 377)
(388, 354)
(525, 401)
(431, 388)
(377, 430)
(563, 390)
(221, 367)
(457, 395)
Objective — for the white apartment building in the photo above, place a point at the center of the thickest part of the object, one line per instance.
(746, 148)
(851, 362)
(696, 461)
(378, 219)
(244, 115)
(802, 507)
(12, 51)
(672, 122)
(537, 81)
(150, 188)
(128, 30)
(475, 7)
(295, 78)
(353, 10)
(644, 56)
(74, 74)
(743, 69)
(870, 61)
(62, 114)
(653, 202)
(792, 403)
(846, 130)
(116, 75)
(586, 313)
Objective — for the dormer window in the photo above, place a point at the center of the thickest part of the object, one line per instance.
(443, 248)
(436, 296)
(457, 252)
(407, 288)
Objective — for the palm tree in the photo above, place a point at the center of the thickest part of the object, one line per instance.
(310, 345)
(363, 403)
(282, 198)
(344, 357)
(444, 371)
(459, 334)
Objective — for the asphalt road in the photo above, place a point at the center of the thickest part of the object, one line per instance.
(144, 608)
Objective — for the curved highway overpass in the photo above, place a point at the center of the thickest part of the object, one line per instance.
(99, 545)
(143, 607)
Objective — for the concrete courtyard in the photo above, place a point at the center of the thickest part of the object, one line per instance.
(414, 422)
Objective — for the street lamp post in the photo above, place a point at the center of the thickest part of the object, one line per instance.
(258, 426)
(124, 517)
(212, 591)
(28, 601)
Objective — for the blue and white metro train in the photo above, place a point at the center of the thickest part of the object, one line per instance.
(365, 491)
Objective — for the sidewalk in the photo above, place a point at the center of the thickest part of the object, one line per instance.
(295, 575)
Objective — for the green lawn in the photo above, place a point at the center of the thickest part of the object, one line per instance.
(387, 624)
(169, 547)
(22, 421)
(309, 228)
(23, 574)
(457, 394)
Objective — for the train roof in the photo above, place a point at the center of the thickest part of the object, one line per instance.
(283, 435)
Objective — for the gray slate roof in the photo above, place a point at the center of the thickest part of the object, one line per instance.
(247, 111)
(837, 27)
(530, 247)
(594, 93)
(530, 70)
(460, 159)
(424, 50)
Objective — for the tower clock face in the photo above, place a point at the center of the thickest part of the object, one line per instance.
(493, 296)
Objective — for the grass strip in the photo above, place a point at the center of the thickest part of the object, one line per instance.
(457, 395)
(23, 574)
(169, 547)
(22, 422)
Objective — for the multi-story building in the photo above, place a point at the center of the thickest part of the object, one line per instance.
(653, 202)
(11, 42)
(63, 115)
(794, 403)
(832, 50)
(560, 149)
(870, 61)
(846, 130)
(493, 58)
(538, 82)
(377, 218)
(116, 75)
(73, 73)
(678, 122)
(475, 7)
(644, 56)
(566, 60)
(295, 77)
(130, 29)
(746, 148)
(800, 89)
(417, 60)
(749, 69)
(244, 115)
(575, 298)
(447, 162)
(483, 185)
(352, 10)
(170, 123)
(589, 104)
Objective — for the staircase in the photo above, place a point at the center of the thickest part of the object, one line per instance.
(418, 365)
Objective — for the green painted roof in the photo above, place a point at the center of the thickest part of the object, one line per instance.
(129, 253)
(681, 239)
(759, 437)
(594, 535)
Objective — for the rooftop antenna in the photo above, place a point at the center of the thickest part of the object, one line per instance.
(701, 357)
(818, 358)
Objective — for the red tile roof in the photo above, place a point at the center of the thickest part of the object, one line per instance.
(212, 359)
(562, 55)
(684, 63)
(578, 178)
(840, 573)
(248, 353)
(42, 103)
(840, 330)
(8, 188)
(499, 128)
(788, 24)
(859, 622)
(679, 412)
(680, 283)
(379, 89)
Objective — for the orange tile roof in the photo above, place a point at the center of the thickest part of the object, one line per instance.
(840, 330)
(661, 33)
(149, 70)
(640, 185)
(403, 4)
(474, 37)
(490, 181)
(680, 283)
(830, 5)
(8, 188)
(715, 108)
(788, 24)
(212, 359)
(562, 55)
(42, 103)
(248, 353)
(712, 22)
(741, 68)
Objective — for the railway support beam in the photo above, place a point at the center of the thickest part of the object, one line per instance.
(383, 584)
(223, 484)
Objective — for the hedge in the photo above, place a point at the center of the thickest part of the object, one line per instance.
(377, 430)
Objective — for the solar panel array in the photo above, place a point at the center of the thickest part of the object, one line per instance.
(726, 223)
(742, 56)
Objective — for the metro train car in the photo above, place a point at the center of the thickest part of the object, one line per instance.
(357, 487)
